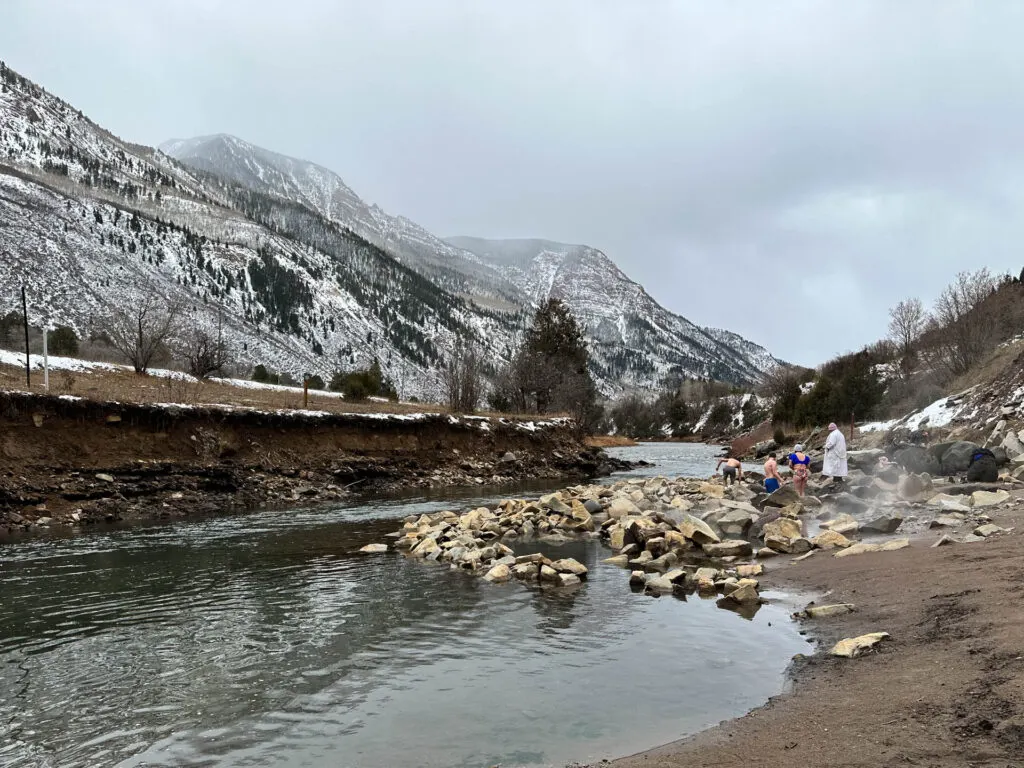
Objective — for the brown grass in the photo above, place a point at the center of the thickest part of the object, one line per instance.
(129, 387)
(610, 441)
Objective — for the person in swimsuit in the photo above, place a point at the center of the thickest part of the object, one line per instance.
(733, 469)
(801, 464)
(772, 478)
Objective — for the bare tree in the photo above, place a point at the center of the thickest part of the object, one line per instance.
(969, 329)
(462, 379)
(906, 324)
(206, 352)
(143, 329)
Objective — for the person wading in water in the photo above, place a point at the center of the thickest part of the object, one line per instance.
(733, 469)
(801, 464)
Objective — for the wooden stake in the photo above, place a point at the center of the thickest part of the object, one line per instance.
(46, 361)
(305, 394)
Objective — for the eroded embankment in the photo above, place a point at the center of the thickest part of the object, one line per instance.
(72, 460)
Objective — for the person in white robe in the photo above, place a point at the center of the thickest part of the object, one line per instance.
(835, 465)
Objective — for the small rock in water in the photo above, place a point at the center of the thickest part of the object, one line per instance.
(374, 549)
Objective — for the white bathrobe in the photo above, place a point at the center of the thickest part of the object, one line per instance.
(835, 455)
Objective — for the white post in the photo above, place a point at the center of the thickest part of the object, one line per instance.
(46, 359)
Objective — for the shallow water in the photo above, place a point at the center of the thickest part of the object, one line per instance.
(260, 640)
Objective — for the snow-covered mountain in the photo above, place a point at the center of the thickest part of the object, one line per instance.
(634, 340)
(306, 276)
(457, 270)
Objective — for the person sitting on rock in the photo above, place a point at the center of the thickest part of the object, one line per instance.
(733, 469)
(772, 478)
(801, 464)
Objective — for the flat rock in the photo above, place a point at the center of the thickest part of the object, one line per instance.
(498, 574)
(827, 611)
(620, 560)
(883, 524)
(104, 477)
(830, 540)
(855, 646)
(863, 546)
(729, 548)
(749, 570)
(660, 584)
(989, 498)
(570, 565)
(987, 530)
(945, 521)
(568, 579)
(374, 549)
(622, 507)
(950, 503)
(945, 541)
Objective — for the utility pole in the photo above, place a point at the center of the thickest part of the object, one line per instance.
(28, 361)
(46, 358)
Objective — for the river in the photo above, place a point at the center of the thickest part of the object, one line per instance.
(260, 640)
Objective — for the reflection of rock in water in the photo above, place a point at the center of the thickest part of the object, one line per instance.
(747, 610)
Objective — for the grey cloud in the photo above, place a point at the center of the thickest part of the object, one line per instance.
(787, 170)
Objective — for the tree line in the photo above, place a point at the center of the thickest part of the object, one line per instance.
(926, 352)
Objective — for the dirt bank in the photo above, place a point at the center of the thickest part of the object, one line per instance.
(946, 690)
(72, 460)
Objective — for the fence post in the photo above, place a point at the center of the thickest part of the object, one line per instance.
(46, 360)
(305, 393)
(28, 360)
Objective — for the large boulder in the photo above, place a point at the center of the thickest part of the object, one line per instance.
(735, 522)
(957, 458)
(697, 531)
(783, 497)
(622, 507)
(916, 459)
(570, 565)
(783, 527)
(1012, 445)
(849, 504)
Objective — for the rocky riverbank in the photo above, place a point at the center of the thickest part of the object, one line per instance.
(916, 610)
(71, 461)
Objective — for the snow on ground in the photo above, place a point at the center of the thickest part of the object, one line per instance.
(878, 426)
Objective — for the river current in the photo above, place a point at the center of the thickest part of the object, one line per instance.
(262, 640)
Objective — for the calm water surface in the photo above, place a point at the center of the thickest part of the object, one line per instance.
(260, 640)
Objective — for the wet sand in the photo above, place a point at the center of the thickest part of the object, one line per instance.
(946, 690)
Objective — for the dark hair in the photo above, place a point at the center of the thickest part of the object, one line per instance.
(771, 455)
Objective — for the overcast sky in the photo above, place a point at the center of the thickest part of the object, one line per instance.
(787, 170)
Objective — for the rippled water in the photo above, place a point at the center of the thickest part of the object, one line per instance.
(260, 640)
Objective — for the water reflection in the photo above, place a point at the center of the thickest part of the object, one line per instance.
(263, 641)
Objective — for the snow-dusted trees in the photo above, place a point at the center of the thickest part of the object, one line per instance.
(143, 330)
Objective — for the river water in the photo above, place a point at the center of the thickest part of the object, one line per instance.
(260, 640)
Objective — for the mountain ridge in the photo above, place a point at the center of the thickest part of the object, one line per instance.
(305, 276)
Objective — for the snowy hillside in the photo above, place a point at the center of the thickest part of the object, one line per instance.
(634, 339)
(306, 277)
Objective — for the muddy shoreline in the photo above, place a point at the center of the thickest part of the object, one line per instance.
(947, 689)
(74, 462)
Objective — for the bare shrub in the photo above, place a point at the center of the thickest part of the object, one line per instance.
(142, 330)
(964, 329)
(66, 382)
(462, 379)
(181, 389)
(206, 352)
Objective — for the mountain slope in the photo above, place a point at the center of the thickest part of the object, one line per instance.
(89, 222)
(324, 191)
(304, 275)
(636, 341)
